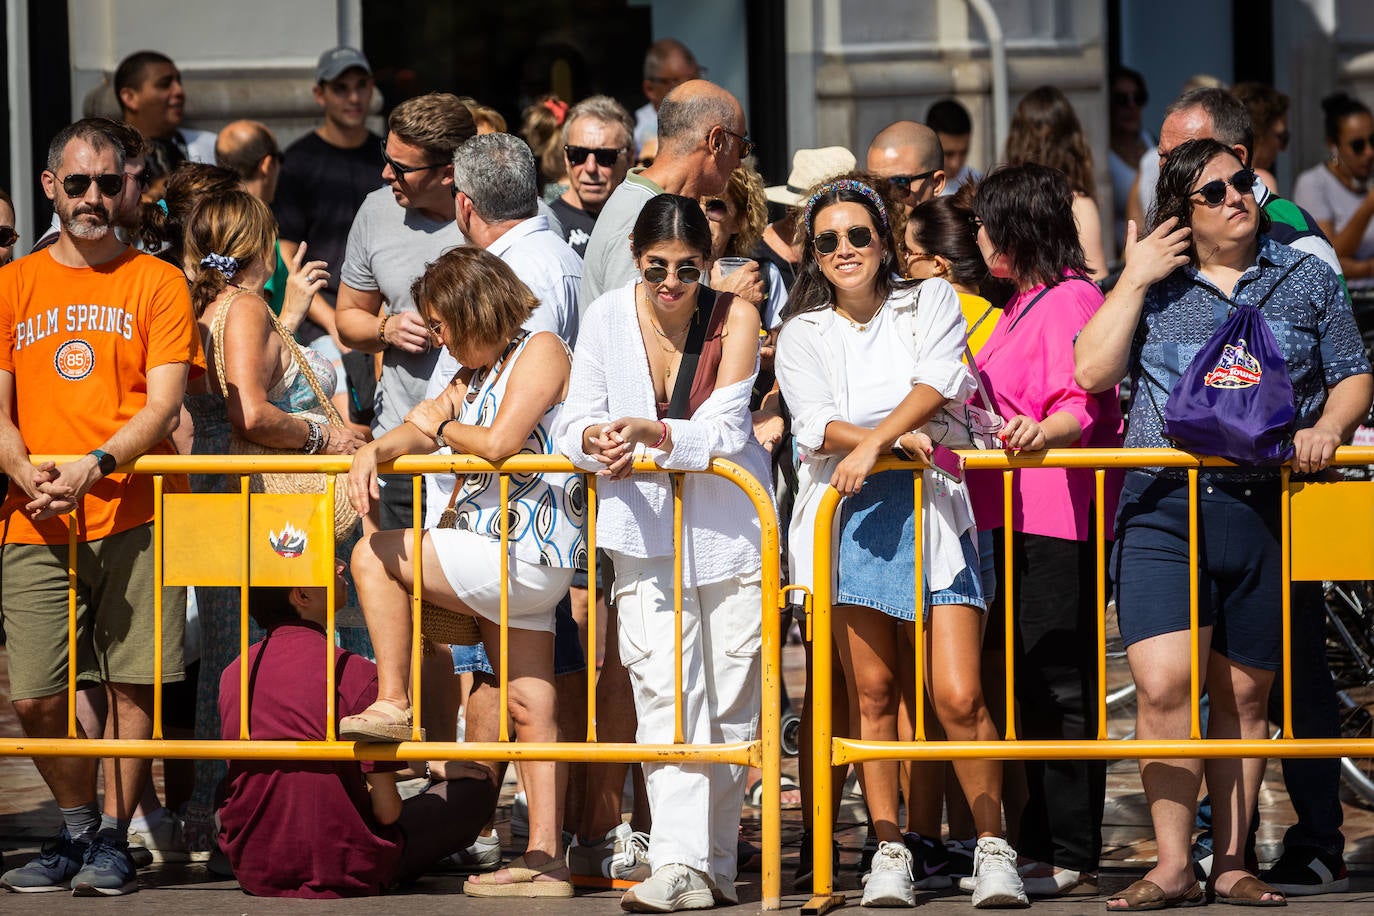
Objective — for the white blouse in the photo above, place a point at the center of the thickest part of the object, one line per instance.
(818, 383)
(611, 380)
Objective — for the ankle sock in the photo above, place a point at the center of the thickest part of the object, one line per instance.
(119, 827)
(151, 821)
(82, 821)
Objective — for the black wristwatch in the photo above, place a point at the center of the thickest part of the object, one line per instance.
(104, 461)
(439, 433)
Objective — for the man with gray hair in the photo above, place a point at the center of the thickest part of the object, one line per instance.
(701, 139)
(596, 144)
(248, 149)
(667, 64)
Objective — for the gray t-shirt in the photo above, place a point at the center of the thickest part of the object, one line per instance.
(608, 263)
(388, 249)
(1320, 193)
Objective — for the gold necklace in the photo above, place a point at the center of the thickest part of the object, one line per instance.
(669, 348)
(854, 324)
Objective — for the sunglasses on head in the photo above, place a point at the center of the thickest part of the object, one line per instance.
(1214, 191)
(859, 237)
(604, 157)
(904, 182)
(1137, 98)
(686, 274)
(716, 209)
(109, 184)
(8, 236)
(402, 170)
(1357, 146)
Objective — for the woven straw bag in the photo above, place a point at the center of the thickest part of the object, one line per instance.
(439, 624)
(345, 516)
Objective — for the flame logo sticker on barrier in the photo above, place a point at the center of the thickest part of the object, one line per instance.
(290, 542)
(74, 360)
(1237, 368)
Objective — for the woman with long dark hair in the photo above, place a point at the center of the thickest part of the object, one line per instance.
(1029, 237)
(1209, 252)
(631, 395)
(865, 360)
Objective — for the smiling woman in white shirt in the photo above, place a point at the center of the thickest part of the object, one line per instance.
(864, 361)
(625, 399)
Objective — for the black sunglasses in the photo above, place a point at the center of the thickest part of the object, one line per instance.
(644, 161)
(1359, 143)
(746, 146)
(828, 242)
(1138, 98)
(8, 236)
(109, 184)
(1214, 191)
(407, 169)
(716, 209)
(604, 157)
(686, 274)
(904, 182)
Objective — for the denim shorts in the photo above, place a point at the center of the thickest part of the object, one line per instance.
(568, 657)
(1240, 581)
(877, 550)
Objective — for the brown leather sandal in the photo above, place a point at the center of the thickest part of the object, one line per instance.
(1250, 891)
(1146, 895)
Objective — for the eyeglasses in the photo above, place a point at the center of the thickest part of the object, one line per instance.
(1358, 145)
(1137, 98)
(716, 209)
(109, 184)
(140, 178)
(8, 236)
(402, 170)
(1214, 192)
(674, 81)
(746, 146)
(828, 242)
(436, 328)
(904, 182)
(604, 157)
(686, 274)
(976, 223)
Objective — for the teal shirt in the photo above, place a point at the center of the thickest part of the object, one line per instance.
(274, 291)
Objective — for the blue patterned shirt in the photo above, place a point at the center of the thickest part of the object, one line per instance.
(1308, 314)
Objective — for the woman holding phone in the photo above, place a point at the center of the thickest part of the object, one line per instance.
(864, 360)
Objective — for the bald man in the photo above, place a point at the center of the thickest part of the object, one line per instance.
(909, 156)
(248, 149)
(701, 139)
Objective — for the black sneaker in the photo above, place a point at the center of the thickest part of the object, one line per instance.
(929, 863)
(108, 871)
(869, 851)
(1306, 870)
(59, 858)
(960, 853)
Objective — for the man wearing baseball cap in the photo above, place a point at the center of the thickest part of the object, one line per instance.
(324, 179)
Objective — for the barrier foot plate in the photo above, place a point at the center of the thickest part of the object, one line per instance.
(595, 882)
(822, 903)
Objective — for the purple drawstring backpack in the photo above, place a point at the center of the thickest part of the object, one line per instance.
(1235, 399)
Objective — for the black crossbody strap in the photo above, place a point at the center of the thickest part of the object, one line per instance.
(691, 354)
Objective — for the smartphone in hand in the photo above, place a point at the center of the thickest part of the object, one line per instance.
(948, 462)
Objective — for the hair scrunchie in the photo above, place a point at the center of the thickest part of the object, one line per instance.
(222, 263)
(558, 108)
(844, 184)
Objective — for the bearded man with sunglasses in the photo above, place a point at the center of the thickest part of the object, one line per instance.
(97, 342)
(597, 137)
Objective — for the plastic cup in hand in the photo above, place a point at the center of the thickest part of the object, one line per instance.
(730, 265)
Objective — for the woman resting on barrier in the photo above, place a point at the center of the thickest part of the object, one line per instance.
(634, 392)
(1029, 236)
(504, 402)
(1207, 256)
(229, 249)
(864, 361)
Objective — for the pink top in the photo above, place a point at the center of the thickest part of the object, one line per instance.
(1027, 365)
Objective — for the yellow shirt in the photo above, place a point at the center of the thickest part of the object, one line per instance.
(974, 309)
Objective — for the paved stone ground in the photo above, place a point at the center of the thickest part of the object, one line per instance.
(27, 814)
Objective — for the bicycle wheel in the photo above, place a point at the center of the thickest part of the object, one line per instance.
(1357, 722)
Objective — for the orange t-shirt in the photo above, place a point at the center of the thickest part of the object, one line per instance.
(79, 342)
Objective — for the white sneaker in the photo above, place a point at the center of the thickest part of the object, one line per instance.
(671, 887)
(996, 882)
(622, 855)
(482, 856)
(889, 878)
(519, 817)
(163, 843)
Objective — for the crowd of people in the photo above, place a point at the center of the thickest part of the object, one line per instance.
(612, 286)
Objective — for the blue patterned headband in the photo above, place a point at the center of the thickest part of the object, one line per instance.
(222, 263)
(844, 184)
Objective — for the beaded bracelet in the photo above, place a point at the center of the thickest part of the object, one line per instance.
(314, 437)
(381, 328)
(663, 438)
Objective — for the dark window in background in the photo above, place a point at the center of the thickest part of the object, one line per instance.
(50, 93)
(1252, 41)
(507, 54)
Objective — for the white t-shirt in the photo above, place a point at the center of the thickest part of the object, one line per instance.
(871, 355)
(1320, 193)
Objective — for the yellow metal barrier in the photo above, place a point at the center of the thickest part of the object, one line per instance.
(238, 539)
(1309, 553)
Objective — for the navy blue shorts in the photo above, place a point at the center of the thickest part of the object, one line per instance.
(568, 657)
(1240, 580)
